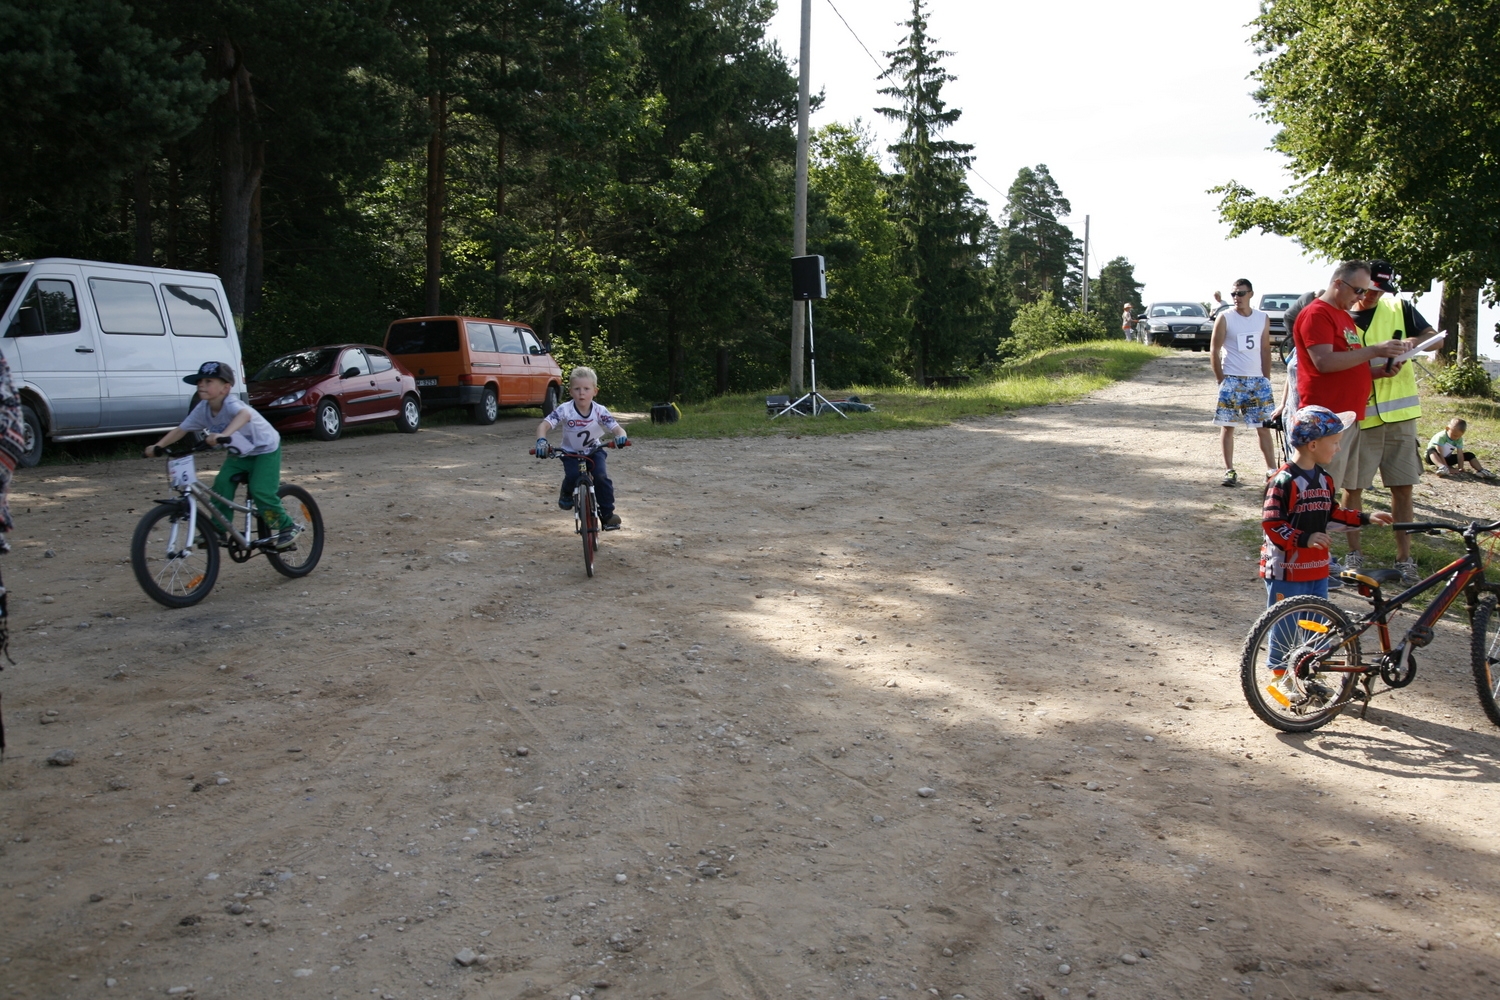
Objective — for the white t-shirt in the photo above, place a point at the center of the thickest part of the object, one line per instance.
(583, 434)
(256, 438)
(1242, 342)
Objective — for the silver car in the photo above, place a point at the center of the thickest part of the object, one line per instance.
(1176, 324)
(1275, 305)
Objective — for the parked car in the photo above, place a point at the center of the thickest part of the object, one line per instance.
(483, 364)
(99, 350)
(323, 389)
(1177, 324)
(1275, 305)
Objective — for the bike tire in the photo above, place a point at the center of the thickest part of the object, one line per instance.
(588, 527)
(1304, 622)
(1485, 654)
(175, 582)
(308, 518)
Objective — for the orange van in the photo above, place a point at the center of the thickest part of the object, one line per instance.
(483, 364)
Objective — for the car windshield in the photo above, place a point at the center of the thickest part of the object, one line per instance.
(1179, 309)
(299, 365)
(1278, 303)
(9, 283)
(423, 336)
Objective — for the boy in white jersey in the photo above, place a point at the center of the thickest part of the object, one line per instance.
(585, 423)
(1240, 352)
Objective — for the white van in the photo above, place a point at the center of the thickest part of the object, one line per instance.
(99, 350)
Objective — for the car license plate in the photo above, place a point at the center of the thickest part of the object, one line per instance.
(426, 381)
(1179, 336)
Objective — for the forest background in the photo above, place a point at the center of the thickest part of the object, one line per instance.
(616, 174)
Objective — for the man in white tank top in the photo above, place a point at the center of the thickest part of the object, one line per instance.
(1240, 352)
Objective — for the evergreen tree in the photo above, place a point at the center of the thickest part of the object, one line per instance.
(1115, 286)
(940, 221)
(1041, 254)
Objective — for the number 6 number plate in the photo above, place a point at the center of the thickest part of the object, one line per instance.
(183, 471)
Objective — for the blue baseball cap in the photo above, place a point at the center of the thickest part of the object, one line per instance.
(1313, 422)
(211, 369)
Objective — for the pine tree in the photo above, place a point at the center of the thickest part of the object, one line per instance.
(1041, 254)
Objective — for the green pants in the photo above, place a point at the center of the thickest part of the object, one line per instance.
(265, 479)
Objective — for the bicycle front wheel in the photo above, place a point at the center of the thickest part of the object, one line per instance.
(307, 520)
(172, 570)
(1290, 665)
(588, 527)
(1486, 655)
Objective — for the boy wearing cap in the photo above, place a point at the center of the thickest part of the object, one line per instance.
(226, 419)
(1299, 505)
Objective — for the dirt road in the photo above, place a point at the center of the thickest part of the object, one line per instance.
(947, 713)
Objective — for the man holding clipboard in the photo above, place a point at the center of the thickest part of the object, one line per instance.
(1388, 433)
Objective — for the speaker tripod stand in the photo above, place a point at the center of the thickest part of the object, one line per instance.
(816, 401)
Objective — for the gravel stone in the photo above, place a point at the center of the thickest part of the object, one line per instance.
(925, 793)
(62, 758)
(465, 957)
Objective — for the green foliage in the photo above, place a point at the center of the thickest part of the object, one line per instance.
(1466, 379)
(1115, 286)
(1043, 325)
(1050, 377)
(1041, 255)
(615, 368)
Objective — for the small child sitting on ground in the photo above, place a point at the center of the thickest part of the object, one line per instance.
(1446, 451)
(1300, 503)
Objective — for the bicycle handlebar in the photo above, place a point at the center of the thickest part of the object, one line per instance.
(198, 444)
(559, 453)
(1463, 529)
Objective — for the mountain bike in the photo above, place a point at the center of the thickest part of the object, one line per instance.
(1301, 663)
(175, 550)
(585, 505)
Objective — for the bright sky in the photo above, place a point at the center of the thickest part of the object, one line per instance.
(1137, 110)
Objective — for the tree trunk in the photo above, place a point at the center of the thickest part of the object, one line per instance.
(674, 367)
(920, 372)
(255, 258)
(242, 160)
(586, 334)
(501, 305)
(143, 215)
(1459, 319)
(174, 203)
(437, 181)
(1448, 320)
(614, 331)
(547, 319)
(721, 371)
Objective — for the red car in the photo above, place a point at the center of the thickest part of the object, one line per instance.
(323, 388)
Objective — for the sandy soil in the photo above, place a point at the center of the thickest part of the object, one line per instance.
(944, 713)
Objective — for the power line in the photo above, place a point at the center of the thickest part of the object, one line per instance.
(883, 70)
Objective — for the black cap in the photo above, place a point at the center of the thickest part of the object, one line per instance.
(1382, 275)
(211, 369)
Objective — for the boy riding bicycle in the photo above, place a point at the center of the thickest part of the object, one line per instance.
(227, 420)
(585, 423)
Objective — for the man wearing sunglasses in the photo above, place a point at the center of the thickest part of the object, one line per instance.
(1333, 363)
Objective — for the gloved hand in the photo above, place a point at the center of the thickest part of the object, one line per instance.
(542, 449)
(621, 441)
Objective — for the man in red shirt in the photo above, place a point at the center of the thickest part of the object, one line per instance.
(1333, 370)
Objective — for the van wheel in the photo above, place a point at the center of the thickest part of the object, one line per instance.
(487, 410)
(34, 438)
(328, 424)
(410, 417)
(549, 401)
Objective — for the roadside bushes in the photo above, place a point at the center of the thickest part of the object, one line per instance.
(615, 367)
(1044, 324)
(1464, 378)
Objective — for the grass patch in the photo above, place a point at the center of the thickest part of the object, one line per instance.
(1050, 377)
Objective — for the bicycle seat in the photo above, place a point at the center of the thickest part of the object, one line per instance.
(1374, 578)
(240, 477)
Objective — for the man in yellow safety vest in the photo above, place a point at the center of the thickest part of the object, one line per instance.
(1388, 433)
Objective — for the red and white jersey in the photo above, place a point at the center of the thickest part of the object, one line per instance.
(584, 433)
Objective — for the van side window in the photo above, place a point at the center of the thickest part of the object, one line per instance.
(510, 341)
(194, 311)
(57, 304)
(126, 306)
(423, 336)
(379, 362)
(480, 338)
(354, 358)
(529, 342)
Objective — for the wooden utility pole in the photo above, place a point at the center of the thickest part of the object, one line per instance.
(799, 218)
(1085, 265)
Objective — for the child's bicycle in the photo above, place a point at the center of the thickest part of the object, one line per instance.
(1301, 663)
(585, 506)
(175, 551)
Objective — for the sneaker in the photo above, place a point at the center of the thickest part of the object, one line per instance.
(1355, 560)
(286, 540)
(1443, 471)
(1408, 570)
(1334, 567)
(612, 522)
(1231, 478)
(1487, 474)
(566, 503)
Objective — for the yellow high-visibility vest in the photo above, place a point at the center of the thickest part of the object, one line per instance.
(1391, 399)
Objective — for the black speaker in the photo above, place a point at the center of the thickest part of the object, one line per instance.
(808, 281)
